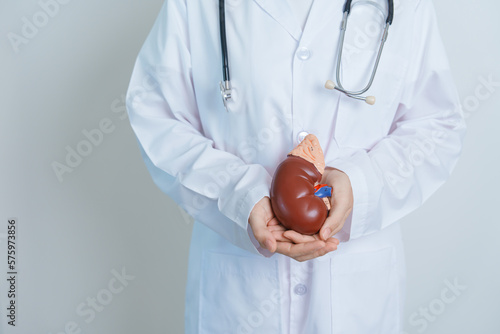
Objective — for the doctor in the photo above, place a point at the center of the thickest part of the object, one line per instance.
(246, 274)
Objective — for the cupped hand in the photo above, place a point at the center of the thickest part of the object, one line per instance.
(274, 237)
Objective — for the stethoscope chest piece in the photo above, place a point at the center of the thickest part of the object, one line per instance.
(225, 92)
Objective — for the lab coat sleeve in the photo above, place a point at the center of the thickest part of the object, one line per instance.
(403, 169)
(215, 187)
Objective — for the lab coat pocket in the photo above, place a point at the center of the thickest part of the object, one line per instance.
(239, 294)
(360, 125)
(365, 293)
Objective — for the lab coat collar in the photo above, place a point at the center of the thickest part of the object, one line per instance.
(282, 13)
(322, 12)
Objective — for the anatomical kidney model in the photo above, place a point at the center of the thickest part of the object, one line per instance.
(298, 199)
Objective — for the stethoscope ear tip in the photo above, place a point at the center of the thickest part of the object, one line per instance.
(329, 85)
(370, 100)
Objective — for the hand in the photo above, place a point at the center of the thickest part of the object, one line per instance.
(271, 235)
(342, 201)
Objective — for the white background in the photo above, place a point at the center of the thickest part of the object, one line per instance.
(106, 215)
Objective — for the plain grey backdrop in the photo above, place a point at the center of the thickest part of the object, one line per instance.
(100, 249)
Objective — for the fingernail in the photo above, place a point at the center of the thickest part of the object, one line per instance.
(326, 233)
(269, 245)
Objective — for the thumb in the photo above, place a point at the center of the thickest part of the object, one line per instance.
(329, 228)
(334, 222)
(342, 205)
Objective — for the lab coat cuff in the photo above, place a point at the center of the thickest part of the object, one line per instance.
(246, 203)
(366, 188)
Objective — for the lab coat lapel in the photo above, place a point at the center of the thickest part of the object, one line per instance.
(323, 13)
(282, 13)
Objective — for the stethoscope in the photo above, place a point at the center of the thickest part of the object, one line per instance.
(225, 84)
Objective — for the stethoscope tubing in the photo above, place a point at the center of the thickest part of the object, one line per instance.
(222, 23)
(390, 10)
(225, 85)
(340, 47)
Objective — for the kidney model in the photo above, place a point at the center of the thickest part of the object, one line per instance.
(298, 199)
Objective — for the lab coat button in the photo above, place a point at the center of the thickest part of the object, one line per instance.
(301, 136)
(300, 289)
(303, 53)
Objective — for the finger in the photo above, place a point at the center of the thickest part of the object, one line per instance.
(277, 231)
(278, 236)
(298, 238)
(298, 250)
(334, 240)
(273, 222)
(329, 247)
(273, 228)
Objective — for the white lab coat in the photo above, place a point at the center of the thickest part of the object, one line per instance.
(217, 164)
